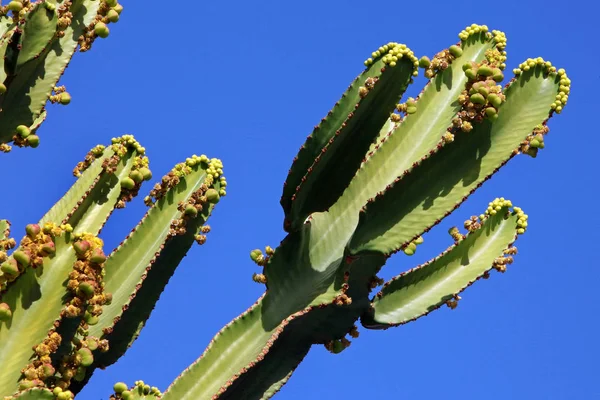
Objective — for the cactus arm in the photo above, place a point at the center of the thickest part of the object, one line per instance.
(7, 29)
(425, 288)
(324, 182)
(31, 317)
(324, 132)
(145, 246)
(33, 394)
(29, 89)
(37, 296)
(406, 142)
(413, 204)
(38, 31)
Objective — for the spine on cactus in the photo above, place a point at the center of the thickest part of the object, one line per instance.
(348, 209)
(37, 41)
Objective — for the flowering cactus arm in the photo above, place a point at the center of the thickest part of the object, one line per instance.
(404, 143)
(140, 268)
(408, 207)
(36, 57)
(37, 297)
(345, 135)
(140, 391)
(425, 288)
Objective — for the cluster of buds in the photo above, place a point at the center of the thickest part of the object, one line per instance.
(565, 83)
(391, 53)
(472, 224)
(453, 302)
(482, 96)
(37, 244)
(131, 184)
(60, 96)
(122, 392)
(41, 368)
(410, 107)
(201, 237)
(108, 12)
(342, 300)
(500, 263)
(213, 168)
(337, 346)
(73, 366)
(440, 61)
(90, 157)
(411, 248)
(370, 82)
(456, 235)
(65, 17)
(261, 260)
(24, 137)
(534, 142)
(190, 209)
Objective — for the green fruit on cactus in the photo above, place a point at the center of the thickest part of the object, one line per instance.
(64, 98)
(212, 196)
(498, 75)
(146, 173)
(471, 73)
(136, 176)
(22, 258)
(80, 374)
(112, 16)
(15, 6)
(86, 357)
(256, 254)
(32, 230)
(111, 3)
(5, 312)
(10, 268)
(23, 131)
(477, 98)
(127, 183)
(127, 395)
(49, 248)
(411, 110)
(490, 112)
(494, 100)
(534, 143)
(87, 289)
(81, 247)
(485, 70)
(424, 62)
(337, 347)
(101, 30)
(118, 8)
(98, 256)
(190, 211)
(467, 66)
(33, 141)
(120, 387)
(455, 51)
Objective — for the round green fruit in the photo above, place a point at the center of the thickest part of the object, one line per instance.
(112, 16)
(33, 141)
(65, 98)
(136, 176)
(15, 6)
(455, 51)
(128, 183)
(146, 173)
(477, 99)
(5, 312)
(23, 131)
(212, 196)
(22, 258)
(120, 387)
(101, 30)
(485, 70)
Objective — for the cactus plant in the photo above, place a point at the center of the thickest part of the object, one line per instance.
(75, 306)
(373, 177)
(37, 41)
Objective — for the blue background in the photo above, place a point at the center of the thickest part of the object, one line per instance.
(245, 82)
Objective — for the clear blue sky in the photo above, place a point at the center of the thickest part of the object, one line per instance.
(245, 82)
